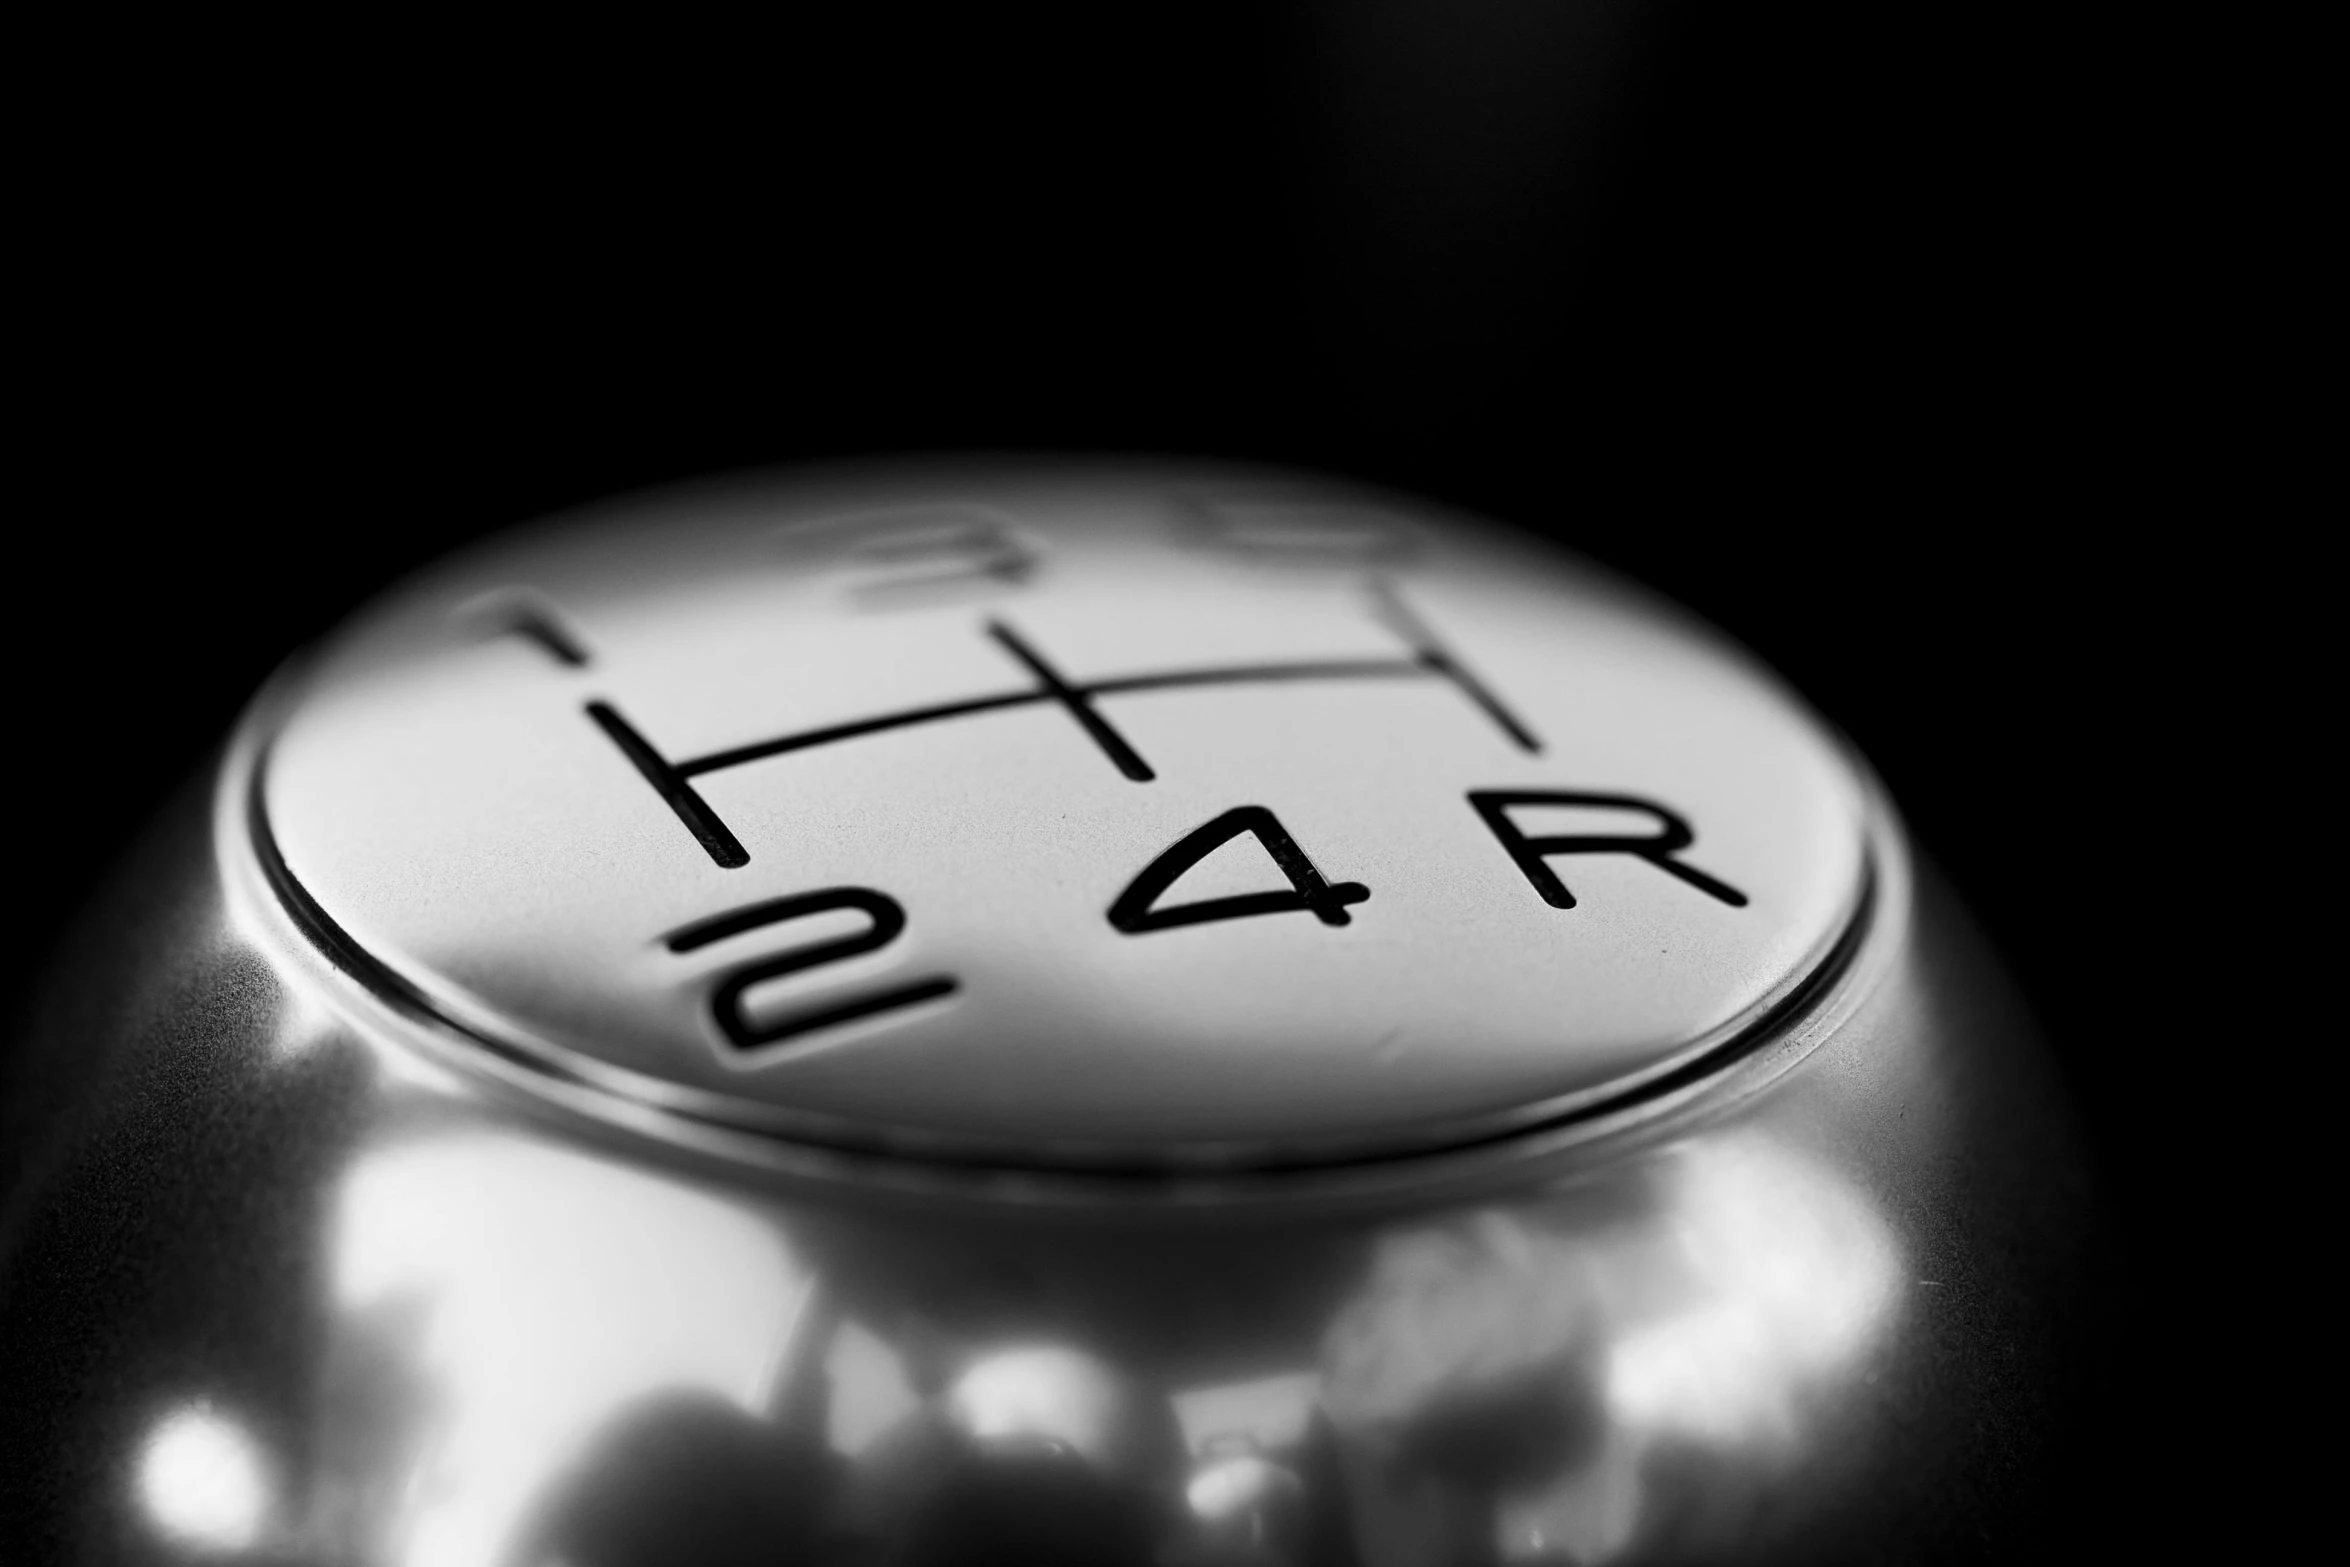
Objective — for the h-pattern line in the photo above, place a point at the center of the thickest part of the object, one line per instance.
(1429, 658)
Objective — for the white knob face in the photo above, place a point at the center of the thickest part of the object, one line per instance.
(1060, 817)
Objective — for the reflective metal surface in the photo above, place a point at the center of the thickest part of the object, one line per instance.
(988, 760)
(392, 1202)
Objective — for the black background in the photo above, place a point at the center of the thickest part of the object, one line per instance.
(1838, 323)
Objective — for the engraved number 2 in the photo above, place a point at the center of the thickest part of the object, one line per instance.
(885, 919)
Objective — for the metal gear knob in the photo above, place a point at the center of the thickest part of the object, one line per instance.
(1155, 1014)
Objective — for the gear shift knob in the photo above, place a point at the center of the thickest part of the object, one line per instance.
(1157, 1014)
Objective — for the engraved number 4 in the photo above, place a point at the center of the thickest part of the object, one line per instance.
(1138, 910)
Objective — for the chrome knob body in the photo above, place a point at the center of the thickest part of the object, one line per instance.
(1156, 1014)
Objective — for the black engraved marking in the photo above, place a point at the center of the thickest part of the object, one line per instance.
(1305, 533)
(965, 551)
(1437, 659)
(1673, 835)
(1247, 674)
(887, 919)
(1255, 674)
(851, 730)
(524, 615)
(726, 1007)
(1076, 700)
(1133, 912)
(671, 785)
(1430, 659)
(886, 914)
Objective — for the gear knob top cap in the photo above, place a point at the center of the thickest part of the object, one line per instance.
(1065, 820)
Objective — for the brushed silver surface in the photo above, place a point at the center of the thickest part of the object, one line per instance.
(317, 1262)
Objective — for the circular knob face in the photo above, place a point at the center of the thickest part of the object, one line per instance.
(1053, 817)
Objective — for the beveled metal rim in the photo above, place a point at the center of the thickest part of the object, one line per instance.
(747, 1136)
